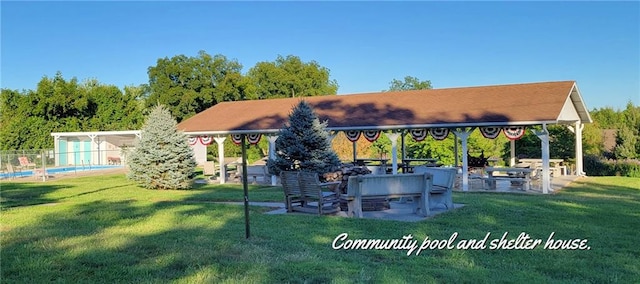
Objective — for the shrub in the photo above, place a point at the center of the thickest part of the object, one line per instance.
(597, 166)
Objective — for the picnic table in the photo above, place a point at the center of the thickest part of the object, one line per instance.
(555, 165)
(517, 176)
(408, 168)
(369, 161)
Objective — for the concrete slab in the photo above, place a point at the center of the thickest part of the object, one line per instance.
(398, 212)
(403, 212)
(557, 183)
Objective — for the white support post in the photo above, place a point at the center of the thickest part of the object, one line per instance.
(456, 159)
(56, 150)
(93, 142)
(272, 154)
(512, 160)
(223, 170)
(463, 134)
(546, 177)
(394, 150)
(403, 150)
(577, 130)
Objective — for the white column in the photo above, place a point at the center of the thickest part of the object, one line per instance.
(577, 130)
(512, 160)
(272, 154)
(463, 134)
(223, 170)
(93, 142)
(56, 149)
(456, 159)
(544, 138)
(393, 136)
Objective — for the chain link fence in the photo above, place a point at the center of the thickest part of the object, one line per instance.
(46, 162)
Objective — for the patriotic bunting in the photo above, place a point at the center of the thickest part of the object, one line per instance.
(206, 140)
(514, 132)
(439, 133)
(371, 135)
(419, 134)
(193, 140)
(254, 138)
(490, 132)
(236, 138)
(352, 135)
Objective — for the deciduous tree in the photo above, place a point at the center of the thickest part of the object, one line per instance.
(409, 83)
(189, 85)
(289, 76)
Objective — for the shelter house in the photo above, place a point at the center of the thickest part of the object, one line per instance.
(511, 109)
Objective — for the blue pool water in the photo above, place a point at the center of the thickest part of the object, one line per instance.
(60, 170)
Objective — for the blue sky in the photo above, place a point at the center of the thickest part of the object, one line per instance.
(364, 44)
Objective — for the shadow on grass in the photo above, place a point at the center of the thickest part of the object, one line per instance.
(26, 194)
(115, 240)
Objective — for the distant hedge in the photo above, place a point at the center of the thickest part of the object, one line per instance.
(598, 166)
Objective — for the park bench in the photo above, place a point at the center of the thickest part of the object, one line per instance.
(442, 189)
(113, 160)
(254, 173)
(304, 192)
(291, 187)
(318, 197)
(416, 186)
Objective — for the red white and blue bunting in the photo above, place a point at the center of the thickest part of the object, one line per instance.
(371, 135)
(236, 138)
(514, 132)
(419, 134)
(254, 138)
(439, 133)
(352, 135)
(490, 132)
(206, 140)
(193, 140)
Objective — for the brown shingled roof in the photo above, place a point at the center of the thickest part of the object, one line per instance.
(517, 104)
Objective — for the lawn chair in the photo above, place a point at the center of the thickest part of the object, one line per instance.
(312, 191)
(25, 163)
(12, 171)
(291, 187)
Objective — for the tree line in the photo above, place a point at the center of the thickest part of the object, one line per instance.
(185, 85)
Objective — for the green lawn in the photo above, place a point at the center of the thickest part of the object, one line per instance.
(105, 229)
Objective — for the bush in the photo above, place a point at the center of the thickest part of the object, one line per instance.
(597, 166)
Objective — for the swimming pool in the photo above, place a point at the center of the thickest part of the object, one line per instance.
(61, 170)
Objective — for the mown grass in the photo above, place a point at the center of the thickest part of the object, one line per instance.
(106, 229)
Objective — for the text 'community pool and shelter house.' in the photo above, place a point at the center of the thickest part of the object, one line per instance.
(505, 242)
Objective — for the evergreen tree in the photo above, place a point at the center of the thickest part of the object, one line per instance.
(625, 144)
(304, 144)
(162, 159)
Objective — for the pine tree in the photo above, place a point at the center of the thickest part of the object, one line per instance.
(304, 144)
(162, 159)
(625, 144)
